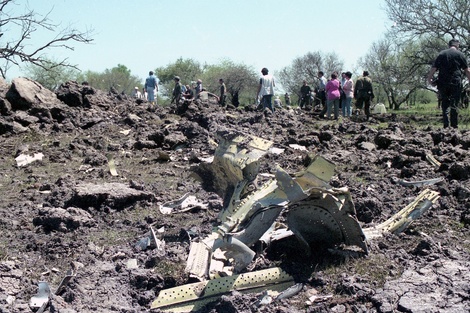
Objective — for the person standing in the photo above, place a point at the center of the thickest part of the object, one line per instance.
(321, 92)
(305, 93)
(177, 91)
(151, 87)
(223, 92)
(136, 94)
(332, 96)
(343, 95)
(198, 87)
(266, 89)
(348, 89)
(364, 93)
(287, 99)
(449, 64)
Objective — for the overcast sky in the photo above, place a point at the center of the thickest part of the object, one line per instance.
(144, 35)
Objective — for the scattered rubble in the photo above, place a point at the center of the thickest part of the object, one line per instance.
(110, 164)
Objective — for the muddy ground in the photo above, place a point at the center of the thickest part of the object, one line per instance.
(67, 212)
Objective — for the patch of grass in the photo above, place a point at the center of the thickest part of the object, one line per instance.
(432, 111)
(376, 269)
(175, 270)
(137, 213)
(112, 237)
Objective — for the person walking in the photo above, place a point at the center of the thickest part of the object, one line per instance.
(449, 64)
(332, 96)
(266, 89)
(151, 87)
(348, 89)
(364, 93)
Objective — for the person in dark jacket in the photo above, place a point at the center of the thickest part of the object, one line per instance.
(364, 93)
(449, 64)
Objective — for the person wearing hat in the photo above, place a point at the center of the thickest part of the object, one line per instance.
(151, 87)
(449, 64)
(364, 93)
(177, 91)
(136, 94)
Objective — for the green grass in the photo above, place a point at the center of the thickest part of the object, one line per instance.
(375, 268)
(432, 116)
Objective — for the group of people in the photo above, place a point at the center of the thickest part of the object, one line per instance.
(334, 94)
(186, 94)
(181, 93)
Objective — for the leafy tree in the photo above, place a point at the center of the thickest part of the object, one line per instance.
(17, 30)
(187, 69)
(119, 78)
(240, 80)
(52, 76)
(306, 68)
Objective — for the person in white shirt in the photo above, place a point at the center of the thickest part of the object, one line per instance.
(266, 89)
(136, 94)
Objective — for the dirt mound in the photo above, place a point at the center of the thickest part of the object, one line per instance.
(102, 163)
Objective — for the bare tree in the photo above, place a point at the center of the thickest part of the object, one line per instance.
(427, 25)
(443, 19)
(18, 48)
(307, 67)
(395, 69)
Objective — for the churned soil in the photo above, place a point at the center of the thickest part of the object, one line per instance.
(67, 213)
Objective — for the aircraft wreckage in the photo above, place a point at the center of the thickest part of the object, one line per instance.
(315, 213)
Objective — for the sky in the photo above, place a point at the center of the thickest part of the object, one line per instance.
(145, 35)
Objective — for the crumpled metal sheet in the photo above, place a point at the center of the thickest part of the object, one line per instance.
(316, 212)
(326, 218)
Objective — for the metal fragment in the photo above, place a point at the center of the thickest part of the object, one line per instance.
(399, 221)
(112, 165)
(420, 183)
(191, 293)
(198, 260)
(42, 298)
(431, 159)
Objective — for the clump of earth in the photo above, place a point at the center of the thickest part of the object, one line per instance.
(65, 212)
